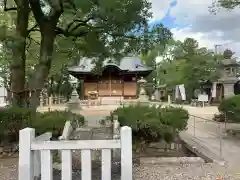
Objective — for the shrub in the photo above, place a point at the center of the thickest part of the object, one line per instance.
(13, 119)
(150, 124)
(54, 122)
(219, 117)
(231, 108)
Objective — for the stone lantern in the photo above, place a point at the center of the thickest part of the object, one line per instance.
(74, 102)
(142, 93)
(228, 78)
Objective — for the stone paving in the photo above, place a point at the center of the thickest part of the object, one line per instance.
(8, 171)
(211, 135)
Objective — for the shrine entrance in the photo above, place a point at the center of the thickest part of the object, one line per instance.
(111, 83)
(220, 92)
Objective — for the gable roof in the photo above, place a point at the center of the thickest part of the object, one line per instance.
(128, 64)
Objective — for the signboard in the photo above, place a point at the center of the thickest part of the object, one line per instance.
(203, 98)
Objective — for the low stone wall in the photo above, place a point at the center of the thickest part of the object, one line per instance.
(9, 150)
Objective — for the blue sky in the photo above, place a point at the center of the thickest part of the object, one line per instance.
(168, 20)
(192, 18)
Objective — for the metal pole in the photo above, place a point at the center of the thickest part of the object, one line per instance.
(194, 126)
(220, 140)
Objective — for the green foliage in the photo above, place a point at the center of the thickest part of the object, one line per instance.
(59, 83)
(226, 4)
(231, 108)
(171, 73)
(13, 119)
(185, 63)
(150, 124)
(54, 122)
(78, 28)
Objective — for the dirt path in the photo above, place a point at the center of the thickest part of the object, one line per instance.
(8, 168)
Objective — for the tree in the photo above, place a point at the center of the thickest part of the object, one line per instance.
(226, 4)
(190, 65)
(109, 28)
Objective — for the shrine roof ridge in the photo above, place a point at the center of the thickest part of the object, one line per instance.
(128, 63)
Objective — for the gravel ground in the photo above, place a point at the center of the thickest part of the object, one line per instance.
(8, 171)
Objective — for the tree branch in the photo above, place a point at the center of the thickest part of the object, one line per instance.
(117, 34)
(40, 17)
(80, 23)
(8, 9)
(60, 31)
(34, 28)
(37, 12)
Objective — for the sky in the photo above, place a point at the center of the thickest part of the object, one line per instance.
(191, 18)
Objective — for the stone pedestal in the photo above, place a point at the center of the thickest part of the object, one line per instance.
(169, 99)
(229, 73)
(142, 97)
(74, 102)
(157, 95)
(228, 90)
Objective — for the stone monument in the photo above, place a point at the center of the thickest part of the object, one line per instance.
(74, 102)
(228, 78)
(143, 97)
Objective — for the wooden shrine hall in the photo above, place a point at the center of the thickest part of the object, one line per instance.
(115, 80)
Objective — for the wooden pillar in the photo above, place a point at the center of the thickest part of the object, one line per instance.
(50, 101)
(59, 99)
(41, 100)
(122, 80)
(110, 84)
(83, 88)
(97, 85)
(136, 76)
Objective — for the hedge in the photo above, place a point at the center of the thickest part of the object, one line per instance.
(230, 107)
(150, 124)
(13, 119)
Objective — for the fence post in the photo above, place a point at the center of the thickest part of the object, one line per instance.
(59, 99)
(26, 163)
(225, 120)
(41, 100)
(50, 101)
(194, 126)
(126, 153)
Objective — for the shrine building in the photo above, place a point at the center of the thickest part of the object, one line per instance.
(114, 80)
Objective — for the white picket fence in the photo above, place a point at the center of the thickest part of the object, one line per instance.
(32, 148)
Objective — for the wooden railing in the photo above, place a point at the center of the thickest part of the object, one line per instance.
(51, 100)
(29, 145)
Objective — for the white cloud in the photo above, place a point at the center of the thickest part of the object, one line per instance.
(160, 8)
(202, 38)
(208, 29)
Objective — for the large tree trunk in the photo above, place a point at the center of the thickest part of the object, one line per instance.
(44, 65)
(47, 26)
(19, 56)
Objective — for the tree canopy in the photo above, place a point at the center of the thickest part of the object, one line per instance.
(183, 63)
(226, 4)
(47, 35)
(40, 38)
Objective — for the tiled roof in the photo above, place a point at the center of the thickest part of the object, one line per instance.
(132, 64)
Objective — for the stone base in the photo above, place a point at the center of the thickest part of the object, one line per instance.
(9, 150)
(74, 106)
(143, 98)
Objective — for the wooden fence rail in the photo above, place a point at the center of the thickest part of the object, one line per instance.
(29, 144)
